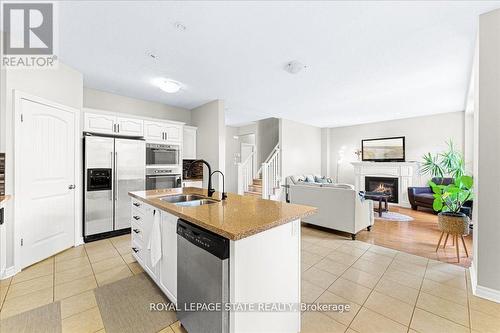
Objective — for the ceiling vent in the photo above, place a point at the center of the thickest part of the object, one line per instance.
(293, 67)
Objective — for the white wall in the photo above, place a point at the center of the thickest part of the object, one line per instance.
(63, 85)
(211, 138)
(486, 265)
(422, 135)
(247, 129)
(325, 152)
(232, 148)
(469, 118)
(267, 138)
(98, 99)
(300, 146)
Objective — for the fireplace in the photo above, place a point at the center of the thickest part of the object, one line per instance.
(388, 185)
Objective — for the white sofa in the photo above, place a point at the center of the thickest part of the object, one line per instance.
(340, 207)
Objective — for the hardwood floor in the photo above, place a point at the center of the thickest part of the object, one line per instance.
(419, 237)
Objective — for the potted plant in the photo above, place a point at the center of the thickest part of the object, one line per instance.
(448, 163)
(449, 200)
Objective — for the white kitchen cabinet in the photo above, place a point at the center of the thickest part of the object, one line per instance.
(189, 143)
(173, 132)
(130, 126)
(165, 271)
(99, 123)
(192, 183)
(146, 214)
(111, 124)
(154, 131)
(168, 263)
(162, 131)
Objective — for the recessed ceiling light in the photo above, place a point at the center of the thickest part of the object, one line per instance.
(167, 85)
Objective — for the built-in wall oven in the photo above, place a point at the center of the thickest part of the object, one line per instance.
(162, 178)
(162, 154)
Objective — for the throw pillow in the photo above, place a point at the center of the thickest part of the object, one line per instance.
(320, 179)
(297, 179)
(309, 178)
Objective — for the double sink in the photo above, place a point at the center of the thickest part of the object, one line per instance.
(188, 200)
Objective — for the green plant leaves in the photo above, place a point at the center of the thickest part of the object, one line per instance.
(467, 181)
(432, 166)
(449, 162)
(451, 198)
(437, 205)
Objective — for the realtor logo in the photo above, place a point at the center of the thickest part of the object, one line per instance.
(28, 39)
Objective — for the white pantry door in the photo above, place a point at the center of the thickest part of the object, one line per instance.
(45, 178)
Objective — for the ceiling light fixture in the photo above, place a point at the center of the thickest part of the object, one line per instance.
(168, 85)
(293, 67)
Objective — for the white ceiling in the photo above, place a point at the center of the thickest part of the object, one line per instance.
(367, 61)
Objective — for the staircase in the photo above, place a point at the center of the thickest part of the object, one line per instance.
(266, 183)
(255, 189)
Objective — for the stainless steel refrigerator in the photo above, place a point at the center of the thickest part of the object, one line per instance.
(113, 167)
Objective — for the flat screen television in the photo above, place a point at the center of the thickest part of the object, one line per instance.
(383, 149)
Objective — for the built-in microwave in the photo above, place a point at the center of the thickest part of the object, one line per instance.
(160, 154)
(159, 178)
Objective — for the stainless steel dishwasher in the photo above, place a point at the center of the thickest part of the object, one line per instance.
(202, 278)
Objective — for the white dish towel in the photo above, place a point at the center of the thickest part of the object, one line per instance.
(154, 244)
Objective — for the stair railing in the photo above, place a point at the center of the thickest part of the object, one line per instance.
(271, 174)
(245, 174)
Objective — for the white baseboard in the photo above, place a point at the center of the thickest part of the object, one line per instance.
(8, 272)
(473, 279)
(480, 291)
(488, 293)
(79, 241)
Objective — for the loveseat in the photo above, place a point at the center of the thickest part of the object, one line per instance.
(340, 207)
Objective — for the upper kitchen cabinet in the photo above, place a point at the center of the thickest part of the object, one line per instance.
(163, 131)
(130, 126)
(103, 123)
(154, 131)
(189, 143)
(99, 123)
(174, 132)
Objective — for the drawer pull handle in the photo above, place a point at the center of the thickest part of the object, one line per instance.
(135, 249)
(137, 204)
(137, 231)
(137, 218)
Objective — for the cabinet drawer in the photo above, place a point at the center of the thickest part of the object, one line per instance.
(137, 234)
(137, 217)
(137, 250)
(138, 204)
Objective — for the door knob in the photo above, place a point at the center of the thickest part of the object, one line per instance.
(71, 187)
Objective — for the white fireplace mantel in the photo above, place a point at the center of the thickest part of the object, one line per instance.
(406, 172)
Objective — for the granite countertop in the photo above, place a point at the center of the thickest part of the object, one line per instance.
(235, 218)
(4, 198)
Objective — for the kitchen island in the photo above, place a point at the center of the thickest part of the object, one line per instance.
(264, 251)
